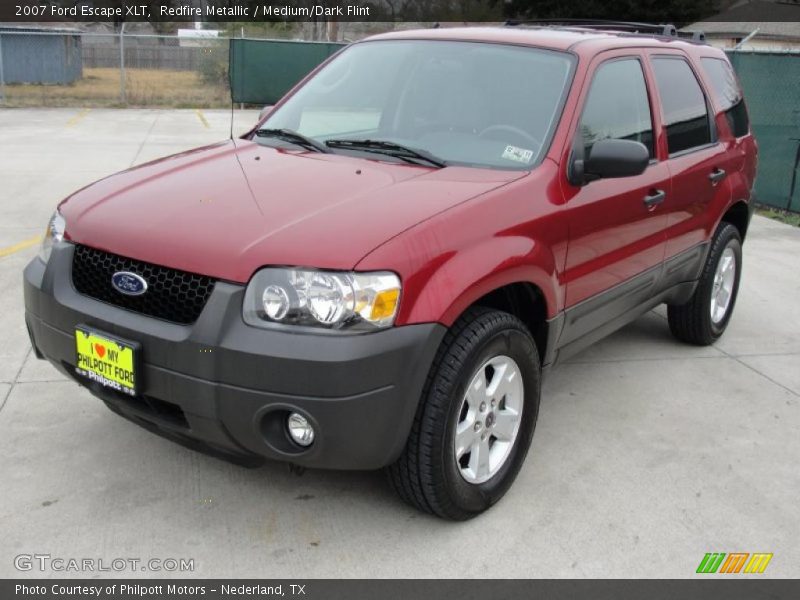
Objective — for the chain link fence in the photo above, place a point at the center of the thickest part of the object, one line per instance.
(71, 68)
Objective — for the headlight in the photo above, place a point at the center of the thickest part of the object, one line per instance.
(322, 299)
(53, 234)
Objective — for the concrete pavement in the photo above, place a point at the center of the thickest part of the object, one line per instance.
(648, 453)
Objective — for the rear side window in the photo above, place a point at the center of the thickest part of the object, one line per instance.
(683, 104)
(727, 92)
(617, 106)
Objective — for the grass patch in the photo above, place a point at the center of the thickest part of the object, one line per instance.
(777, 214)
(144, 87)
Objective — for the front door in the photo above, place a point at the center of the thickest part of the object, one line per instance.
(617, 226)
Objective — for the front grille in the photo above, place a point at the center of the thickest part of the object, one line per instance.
(171, 295)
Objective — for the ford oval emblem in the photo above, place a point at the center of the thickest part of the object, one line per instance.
(128, 283)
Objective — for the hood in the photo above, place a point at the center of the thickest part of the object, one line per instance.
(228, 209)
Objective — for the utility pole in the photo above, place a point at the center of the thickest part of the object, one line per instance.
(122, 95)
(2, 77)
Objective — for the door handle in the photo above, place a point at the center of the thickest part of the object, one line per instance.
(716, 176)
(654, 199)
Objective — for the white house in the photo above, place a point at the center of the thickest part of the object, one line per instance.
(776, 25)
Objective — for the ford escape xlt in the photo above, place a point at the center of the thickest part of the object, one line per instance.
(378, 273)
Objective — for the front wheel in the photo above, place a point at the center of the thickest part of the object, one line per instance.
(703, 319)
(475, 420)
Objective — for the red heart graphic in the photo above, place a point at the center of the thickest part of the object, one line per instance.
(101, 350)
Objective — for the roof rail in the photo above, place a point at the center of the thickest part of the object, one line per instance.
(627, 26)
(624, 27)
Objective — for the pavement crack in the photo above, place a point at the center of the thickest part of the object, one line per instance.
(146, 137)
(609, 361)
(16, 379)
(763, 354)
(5, 398)
(764, 375)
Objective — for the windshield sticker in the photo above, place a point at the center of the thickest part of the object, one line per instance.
(518, 154)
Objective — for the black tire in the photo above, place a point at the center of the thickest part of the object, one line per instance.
(427, 475)
(691, 322)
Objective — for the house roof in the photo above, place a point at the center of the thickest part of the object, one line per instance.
(36, 28)
(772, 19)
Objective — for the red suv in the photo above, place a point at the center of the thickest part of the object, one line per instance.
(380, 272)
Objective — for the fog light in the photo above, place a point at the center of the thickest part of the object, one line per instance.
(300, 429)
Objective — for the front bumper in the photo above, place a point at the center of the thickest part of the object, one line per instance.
(223, 387)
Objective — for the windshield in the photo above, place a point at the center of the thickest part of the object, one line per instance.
(478, 104)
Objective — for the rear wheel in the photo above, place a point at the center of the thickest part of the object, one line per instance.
(476, 418)
(704, 318)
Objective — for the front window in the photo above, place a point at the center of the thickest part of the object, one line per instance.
(618, 107)
(476, 104)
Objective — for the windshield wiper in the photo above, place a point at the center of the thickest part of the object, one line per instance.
(293, 137)
(390, 149)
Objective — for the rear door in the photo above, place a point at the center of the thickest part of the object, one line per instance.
(698, 162)
(617, 237)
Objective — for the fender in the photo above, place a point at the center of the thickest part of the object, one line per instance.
(516, 234)
(740, 180)
(739, 192)
(721, 202)
(464, 277)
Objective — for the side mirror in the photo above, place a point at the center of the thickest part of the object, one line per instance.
(609, 158)
(265, 111)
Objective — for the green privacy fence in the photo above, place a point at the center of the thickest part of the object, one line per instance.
(262, 71)
(771, 85)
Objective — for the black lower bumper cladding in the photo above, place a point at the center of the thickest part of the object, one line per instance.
(226, 388)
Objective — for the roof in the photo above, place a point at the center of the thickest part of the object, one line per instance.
(552, 37)
(36, 28)
(772, 19)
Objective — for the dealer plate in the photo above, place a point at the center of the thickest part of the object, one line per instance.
(107, 360)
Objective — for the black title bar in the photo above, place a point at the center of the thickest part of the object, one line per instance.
(701, 588)
(446, 11)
